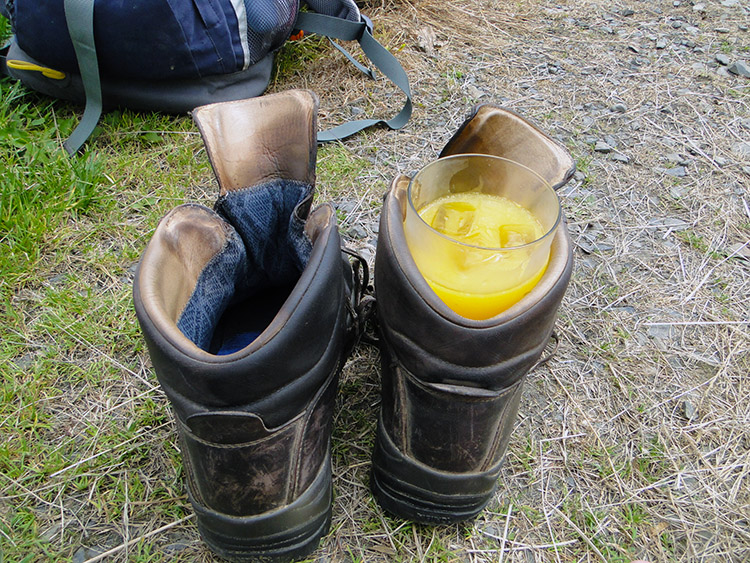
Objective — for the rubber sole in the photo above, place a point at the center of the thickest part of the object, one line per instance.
(281, 535)
(414, 491)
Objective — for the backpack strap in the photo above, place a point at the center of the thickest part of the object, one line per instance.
(79, 16)
(347, 30)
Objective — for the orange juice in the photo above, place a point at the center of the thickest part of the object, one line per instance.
(489, 282)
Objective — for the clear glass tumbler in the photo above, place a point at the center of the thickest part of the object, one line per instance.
(480, 228)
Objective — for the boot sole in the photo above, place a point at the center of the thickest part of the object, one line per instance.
(280, 535)
(414, 491)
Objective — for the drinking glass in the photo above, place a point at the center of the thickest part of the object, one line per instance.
(480, 228)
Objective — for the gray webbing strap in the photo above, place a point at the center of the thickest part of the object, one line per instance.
(79, 16)
(347, 30)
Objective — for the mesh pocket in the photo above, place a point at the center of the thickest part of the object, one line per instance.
(269, 24)
(345, 9)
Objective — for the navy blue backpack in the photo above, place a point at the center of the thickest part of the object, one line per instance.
(174, 55)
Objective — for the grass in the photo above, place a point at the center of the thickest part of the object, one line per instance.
(632, 442)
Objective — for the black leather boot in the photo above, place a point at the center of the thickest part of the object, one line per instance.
(451, 386)
(244, 311)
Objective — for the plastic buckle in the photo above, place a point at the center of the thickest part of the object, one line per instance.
(367, 21)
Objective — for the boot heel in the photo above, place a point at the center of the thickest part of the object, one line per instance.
(289, 533)
(416, 492)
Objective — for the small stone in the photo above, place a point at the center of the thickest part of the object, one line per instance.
(689, 410)
(720, 161)
(722, 59)
(670, 223)
(742, 149)
(626, 12)
(357, 232)
(660, 331)
(722, 30)
(619, 157)
(627, 309)
(427, 40)
(611, 141)
(474, 92)
(729, 3)
(692, 29)
(739, 68)
(493, 531)
(677, 171)
(608, 30)
(356, 110)
(700, 7)
(24, 362)
(176, 547)
(678, 192)
(677, 158)
(50, 533)
(83, 554)
(661, 43)
(619, 108)
(603, 147)
(367, 252)
(739, 250)
(722, 71)
(676, 24)
(347, 206)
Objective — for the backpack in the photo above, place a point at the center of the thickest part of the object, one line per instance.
(175, 55)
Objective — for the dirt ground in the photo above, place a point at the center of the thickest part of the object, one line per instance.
(633, 440)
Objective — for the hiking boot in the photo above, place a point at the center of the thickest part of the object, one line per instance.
(451, 386)
(244, 311)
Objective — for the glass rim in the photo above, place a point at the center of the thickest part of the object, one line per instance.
(544, 182)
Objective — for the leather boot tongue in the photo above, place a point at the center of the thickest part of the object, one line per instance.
(258, 140)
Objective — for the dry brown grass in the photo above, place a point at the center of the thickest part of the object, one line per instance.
(633, 441)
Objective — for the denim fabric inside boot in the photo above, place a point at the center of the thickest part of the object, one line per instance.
(242, 288)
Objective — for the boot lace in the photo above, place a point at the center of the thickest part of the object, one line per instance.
(361, 301)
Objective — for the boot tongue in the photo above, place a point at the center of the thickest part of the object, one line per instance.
(500, 132)
(259, 140)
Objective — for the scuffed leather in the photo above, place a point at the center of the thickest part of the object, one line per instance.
(494, 130)
(451, 385)
(186, 240)
(437, 344)
(266, 471)
(455, 428)
(254, 426)
(252, 141)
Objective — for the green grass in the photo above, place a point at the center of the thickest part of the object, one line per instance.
(81, 423)
(294, 56)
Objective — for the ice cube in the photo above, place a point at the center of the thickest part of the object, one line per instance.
(454, 219)
(516, 235)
